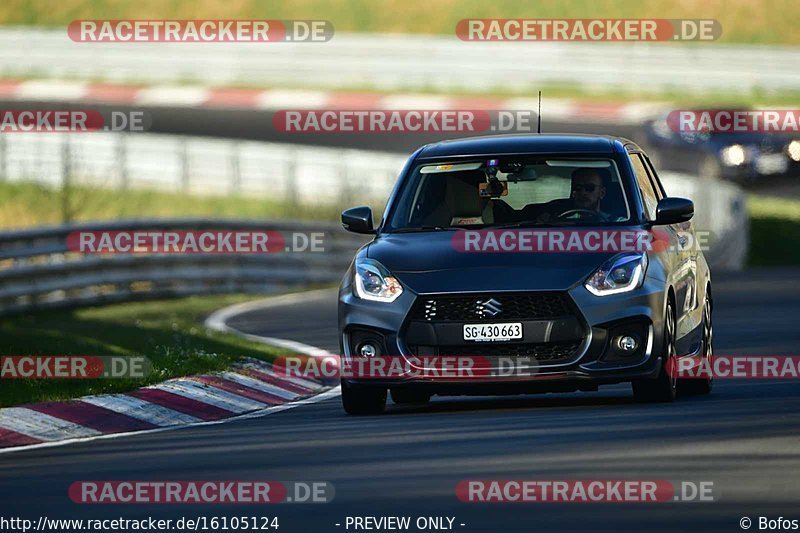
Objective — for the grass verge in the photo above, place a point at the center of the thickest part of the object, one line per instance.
(168, 332)
(24, 204)
(774, 231)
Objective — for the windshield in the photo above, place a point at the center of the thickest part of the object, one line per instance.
(502, 192)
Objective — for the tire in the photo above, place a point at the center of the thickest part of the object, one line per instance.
(363, 400)
(705, 385)
(662, 389)
(405, 396)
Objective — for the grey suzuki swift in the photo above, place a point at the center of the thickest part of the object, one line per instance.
(521, 264)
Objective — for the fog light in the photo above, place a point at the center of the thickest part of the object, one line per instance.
(368, 350)
(626, 343)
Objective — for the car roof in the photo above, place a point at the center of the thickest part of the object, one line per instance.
(528, 143)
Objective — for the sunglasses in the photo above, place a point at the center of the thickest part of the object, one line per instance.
(588, 187)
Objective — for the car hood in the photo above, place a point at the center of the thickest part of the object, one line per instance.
(428, 262)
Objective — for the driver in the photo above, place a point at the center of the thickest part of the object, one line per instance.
(587, 190)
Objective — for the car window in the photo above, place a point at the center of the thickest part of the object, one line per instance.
(548, 191)
(648, 194)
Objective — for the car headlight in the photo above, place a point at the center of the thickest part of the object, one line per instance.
(374, 282)
(734, 155)
(621, 273)
(794, 150)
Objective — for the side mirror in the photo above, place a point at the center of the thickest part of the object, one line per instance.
(358, 220)
(674, 211)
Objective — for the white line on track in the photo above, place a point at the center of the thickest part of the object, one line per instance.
(218, 321)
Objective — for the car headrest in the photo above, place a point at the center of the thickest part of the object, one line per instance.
(462, 195)
(604, 174)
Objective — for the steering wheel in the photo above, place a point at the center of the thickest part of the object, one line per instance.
(582, 212)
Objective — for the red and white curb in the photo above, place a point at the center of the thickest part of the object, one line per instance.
(248, 390)
(568, 110)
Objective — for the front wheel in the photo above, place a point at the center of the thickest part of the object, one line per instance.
(703, 385)
(664, 387)
(363, 400)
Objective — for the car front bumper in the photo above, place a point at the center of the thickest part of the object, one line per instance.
(603, 320)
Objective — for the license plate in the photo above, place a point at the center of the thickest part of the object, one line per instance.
(493, 332)
(772, 164)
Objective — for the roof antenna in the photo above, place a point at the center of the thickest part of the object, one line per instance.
(540, 112)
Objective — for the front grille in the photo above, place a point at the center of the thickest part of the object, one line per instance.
(553, 352)
(435, 318)
(477, 307)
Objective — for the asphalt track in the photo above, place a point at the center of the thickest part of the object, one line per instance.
(744, 437)
(253, 124)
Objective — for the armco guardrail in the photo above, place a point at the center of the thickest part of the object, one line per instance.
(405, 62)
(721, 209)
(38, 270)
